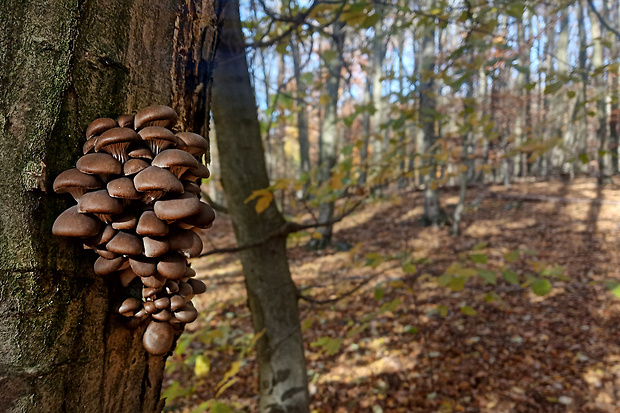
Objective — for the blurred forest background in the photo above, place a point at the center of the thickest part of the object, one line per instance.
(418, 197)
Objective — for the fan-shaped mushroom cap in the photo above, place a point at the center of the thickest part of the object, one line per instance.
(156, 182)
(189, 273)
(101, 204)
(192, 174)
(126, 220)
(141, 153)
(185, 290)
(191, 187)
(155, 247)
(89, 145)
(186, 242)
(98, 126)
(193, 143)
(163, 315)
(176, 302)
(104, 235)
(162, 303)
(130, 306)
(154, 281)
(156, 115)
(73, 224)
(187, 313)
(158, 338)
(150, 225)
(127, 276)
(76, 183)
(125, 121)
(123, 188)
(105, 267)
(149, 292)
(158, 138)
(126, 244)
(198, 287)
(133, 166)
(203, 219)
(172, 266)
(104, 253)
(175, 160)
(101, 164)
(143, 266)
(149, 306)
(181, 207)
(171, 287)
(115, 141)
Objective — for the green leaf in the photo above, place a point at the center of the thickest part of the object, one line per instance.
(480, 246)
(467, 310)
(409, 268)
(219, 407)
(391, 306)
(571, 94)
(457, 283)
(553, 87)
(512, 256)
(529, 86)
(443, 310)
(488, 276)
(511, 277)
(444, 280)
(329, 345)
(379, 293)
(479, 258)
(541, 287)
(175, 391)
(584, 158)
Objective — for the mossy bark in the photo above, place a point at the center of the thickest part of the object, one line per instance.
(64, 63)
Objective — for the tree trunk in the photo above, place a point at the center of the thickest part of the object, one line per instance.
(272, 295)
(329, 136)
(63, 64)
(302, 112)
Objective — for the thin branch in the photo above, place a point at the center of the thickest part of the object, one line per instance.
(602, 19)
(283, 231)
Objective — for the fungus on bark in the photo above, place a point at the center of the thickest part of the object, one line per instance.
(138, 199)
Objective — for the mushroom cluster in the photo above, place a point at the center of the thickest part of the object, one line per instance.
(138, 203)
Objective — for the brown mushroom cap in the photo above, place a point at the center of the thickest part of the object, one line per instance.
(125, 121)
(100, 204)
(155, 247)
(98, 126)
(162, 303)
(163, 315)
(76, 183)
(101, 164)
(193, 143)
(158, 338)
(158, 138)
(89, 145)
(115, 141)
(105, 267)
(175, 160)
(203, 219)
(150, 225)
(189, 273)
(126, 220)
(186, 242)
(148, 292)
(104, 253)
(73, 224)
(104, 235)
(171, 287)
(123, 188)
(185, 290)
(187, 313)
(180, 207)
(176, 302)
(191, 187)
(133, 166)
(156, 182)
(154, 281)
(149, 306)
(143, 266)
(172, 266)
(159, 115)
(127, 276)
(126, 244)
(198, 287)
(130, 306)
(141, 153)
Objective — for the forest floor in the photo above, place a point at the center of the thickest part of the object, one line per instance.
(402, 342)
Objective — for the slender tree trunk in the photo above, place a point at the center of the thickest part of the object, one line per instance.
(365, 133)
(272, 295)
(433, 212)
(62, 64)
(302, 111)
(614, 86)
(330, 136)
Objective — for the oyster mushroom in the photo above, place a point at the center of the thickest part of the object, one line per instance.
(116, 141)
(76, 183)
(156, 115)
(158, 138)
(73, 224)
(158, 338)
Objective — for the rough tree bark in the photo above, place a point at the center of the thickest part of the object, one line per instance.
(62, 64)
(272, 295)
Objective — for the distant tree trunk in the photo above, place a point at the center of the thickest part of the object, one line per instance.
(377, 58)
(272, 295)
(580, 115)
(63, 64)
(559, 105)
(614, 86)
(329, 134)
(366, 132)
(302, 111)
(433, 212)
(604, 164)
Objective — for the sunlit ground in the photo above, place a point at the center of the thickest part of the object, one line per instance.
(402, 343)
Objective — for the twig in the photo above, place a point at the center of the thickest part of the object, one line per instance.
(602, 19)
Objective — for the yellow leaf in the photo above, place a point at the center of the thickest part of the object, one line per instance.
(336, 182)
(324, 99)
(263, 202)
(317, 235)
(203, 366)
(234, 369)
(225, 386)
